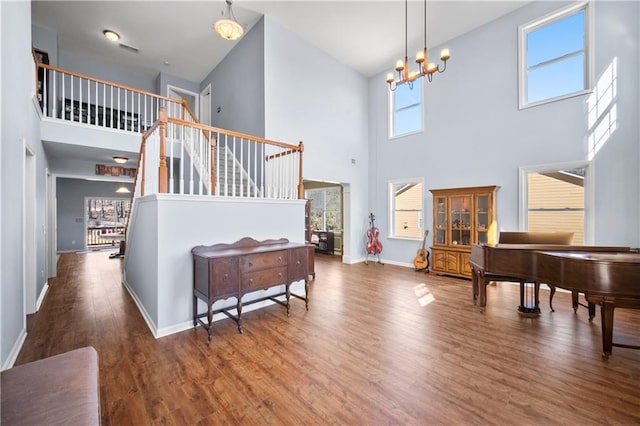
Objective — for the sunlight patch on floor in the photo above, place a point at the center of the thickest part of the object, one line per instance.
(425, 297)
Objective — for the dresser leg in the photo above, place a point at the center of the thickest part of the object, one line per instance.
(288, 287)
(306, 294)
(209, 321)
(239, 308)
(195, 310)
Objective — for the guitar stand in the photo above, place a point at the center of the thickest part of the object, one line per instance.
(366, 261)
(426, 270)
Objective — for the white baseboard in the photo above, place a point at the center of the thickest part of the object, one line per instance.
(43, 293)
(392, 262)
(145, 315)
(13, 355)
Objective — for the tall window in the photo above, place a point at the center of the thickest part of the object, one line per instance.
(405, 199)
(405, 110)
(326, 208)
(554, 56)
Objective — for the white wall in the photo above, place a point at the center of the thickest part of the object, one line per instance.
(95, 67)
(165, 79)
(616, 165)
(19, 123)
(475, 134)
(311, 97)
(159, 265)
(237, 86)
(46, 39)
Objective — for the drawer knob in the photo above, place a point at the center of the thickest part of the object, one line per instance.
(298, 262)
(250, 263)
(250, 281)
(279, 258)
(279, 274)
(225, 277)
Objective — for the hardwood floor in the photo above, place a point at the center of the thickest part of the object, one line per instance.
(367, 351)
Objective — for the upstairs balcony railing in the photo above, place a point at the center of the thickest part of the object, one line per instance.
(78, 98)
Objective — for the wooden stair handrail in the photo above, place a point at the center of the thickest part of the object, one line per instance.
(232, 133)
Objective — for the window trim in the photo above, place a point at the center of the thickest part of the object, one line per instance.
(391, 206)
(391, 111)
(324, 189)
(548, 19)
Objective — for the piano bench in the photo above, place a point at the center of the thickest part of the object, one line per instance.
(60, 390)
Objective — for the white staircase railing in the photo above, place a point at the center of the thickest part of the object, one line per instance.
(185, 157)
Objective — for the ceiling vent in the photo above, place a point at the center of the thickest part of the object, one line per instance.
(129, 48)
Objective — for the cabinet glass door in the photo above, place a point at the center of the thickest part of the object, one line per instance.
(461, 220)
(440, 221)
(482, 218)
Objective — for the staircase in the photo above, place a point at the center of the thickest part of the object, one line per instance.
(232, 179)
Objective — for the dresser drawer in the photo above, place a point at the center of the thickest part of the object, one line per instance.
(263, 279)
(298, 264)
(223, 275)
(258, 261)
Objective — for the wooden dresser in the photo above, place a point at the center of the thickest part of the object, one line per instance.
(222, 271)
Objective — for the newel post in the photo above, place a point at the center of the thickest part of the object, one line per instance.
(300, 185)
(162, 168)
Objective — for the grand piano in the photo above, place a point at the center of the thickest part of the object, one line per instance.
(608, 276)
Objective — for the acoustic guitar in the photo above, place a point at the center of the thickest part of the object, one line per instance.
(421, 260)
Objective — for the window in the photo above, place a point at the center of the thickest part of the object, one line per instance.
(326, 208)
(554, 56)
(405, 110)
(405, 197)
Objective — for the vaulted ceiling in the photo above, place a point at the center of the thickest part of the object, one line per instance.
(177, 36)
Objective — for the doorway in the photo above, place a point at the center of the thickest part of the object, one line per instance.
(326, 216)
(192, 98)
(105, 221)
(556, 198)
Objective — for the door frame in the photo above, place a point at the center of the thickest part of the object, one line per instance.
(589, 192)
(205, 95)
(178, 90)
(29, 209)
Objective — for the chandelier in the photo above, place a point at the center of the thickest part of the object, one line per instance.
(425, 68)
(228, 27)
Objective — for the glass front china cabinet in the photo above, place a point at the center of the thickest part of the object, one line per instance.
(461, 217)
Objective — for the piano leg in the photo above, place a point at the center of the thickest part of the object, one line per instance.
(606, 312)
(574, 300)
(474, 285)
(481, 290)
(553, 292)
(592, 311)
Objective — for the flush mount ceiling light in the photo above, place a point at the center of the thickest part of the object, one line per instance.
(228, 27)
(111, 35)
(425, 68)
(120, 160)
(123, 190)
